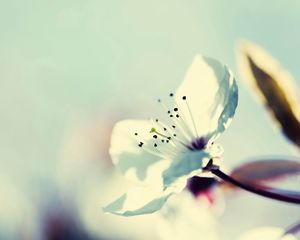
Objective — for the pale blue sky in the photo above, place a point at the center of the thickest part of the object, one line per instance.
(62, 59)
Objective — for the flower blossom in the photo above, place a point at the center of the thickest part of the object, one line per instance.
(161, 154)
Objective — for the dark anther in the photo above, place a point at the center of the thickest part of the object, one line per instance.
(136, 134)
(175, 109)
(173, 126)
(169, 138)
(174, 135)
(141, 144)
(155, 145)
(177, 115)
(171, 94)
(162, 140)
(167, 141)
(154, 136)
(184, 97)
(159, 100)
(165, 129)
(156, 120)
(169, 112)
(171, 115)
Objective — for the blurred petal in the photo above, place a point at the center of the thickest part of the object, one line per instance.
(184, 217)
(211, 96)
(265, 170)
(135, 162)
(274, 85)
(197, 185)
(185, 166)
(266, 233)
(138, 201)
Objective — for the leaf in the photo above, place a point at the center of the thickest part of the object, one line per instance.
(294, 229)
(265, 170)
(274, 85)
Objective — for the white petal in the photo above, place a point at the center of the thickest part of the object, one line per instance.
(185, 166)
(185, 217)
(211, 96)
(266, 233)
(135, 162)
(138, 201)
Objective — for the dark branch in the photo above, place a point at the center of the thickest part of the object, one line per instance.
(276, 194)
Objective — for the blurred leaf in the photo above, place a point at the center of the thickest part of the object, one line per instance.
(265, 170)
(294, 229)
(274, 85)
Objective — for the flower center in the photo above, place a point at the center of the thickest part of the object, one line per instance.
(174, 134)
(198, 144)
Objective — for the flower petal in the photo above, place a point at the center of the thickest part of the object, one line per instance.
(207, 97)
(274, 85)
(185, 166)
(185, 217)
(135, 162)
(138, 201)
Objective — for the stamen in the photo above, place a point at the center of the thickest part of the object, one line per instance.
(182, 122)
(182, 131)
(153, 130)
(191, 115)
(167, 152)
(173, 148)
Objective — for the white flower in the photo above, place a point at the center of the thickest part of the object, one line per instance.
(184, 217)
(161, 154)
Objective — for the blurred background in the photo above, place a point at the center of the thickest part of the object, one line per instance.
(70, 69)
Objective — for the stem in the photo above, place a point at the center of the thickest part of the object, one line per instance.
(276, 194)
